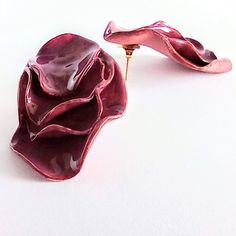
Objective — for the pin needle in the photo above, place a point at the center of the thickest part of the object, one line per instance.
(129, 51)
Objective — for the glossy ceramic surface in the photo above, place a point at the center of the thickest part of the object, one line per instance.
(66, 94)
(168, 41)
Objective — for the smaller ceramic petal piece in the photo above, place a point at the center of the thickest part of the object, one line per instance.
(168, 41)
(66, 94)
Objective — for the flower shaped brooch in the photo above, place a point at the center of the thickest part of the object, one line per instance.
(72, 88)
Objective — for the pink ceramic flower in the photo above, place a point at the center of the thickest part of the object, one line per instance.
(168, 41)
(66, 94)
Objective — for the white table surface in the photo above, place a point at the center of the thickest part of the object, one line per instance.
(168, 167)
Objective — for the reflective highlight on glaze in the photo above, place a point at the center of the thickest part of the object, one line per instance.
(66, 94)
(168, 41)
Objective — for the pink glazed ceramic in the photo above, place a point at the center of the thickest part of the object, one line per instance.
(66, 94)
(168, 41)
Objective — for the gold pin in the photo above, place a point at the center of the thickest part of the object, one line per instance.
(129, 49)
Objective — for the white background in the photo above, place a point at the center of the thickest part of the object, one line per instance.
(168, 167)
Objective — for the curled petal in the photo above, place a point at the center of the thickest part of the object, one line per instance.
(78, 120)
(168, 41)
(114, 102)
(63, 61)
(56, 158)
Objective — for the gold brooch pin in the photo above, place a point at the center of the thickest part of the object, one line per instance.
(129, 49)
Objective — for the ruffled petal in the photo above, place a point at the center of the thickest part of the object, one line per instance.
(56, 158)
(168, 41)
(78, 120)
(62, 62)
(114, 97)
